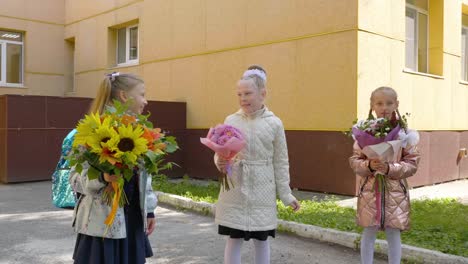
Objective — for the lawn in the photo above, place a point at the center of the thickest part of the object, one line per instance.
(440, 224)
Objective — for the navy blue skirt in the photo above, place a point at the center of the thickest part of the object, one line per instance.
(130, 250)
(246, 235)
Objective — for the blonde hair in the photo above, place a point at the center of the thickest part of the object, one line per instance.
(110, 87)
(254, 79)
(388, 90)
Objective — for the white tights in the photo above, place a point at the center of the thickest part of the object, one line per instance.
(232, 252)
(367, 245)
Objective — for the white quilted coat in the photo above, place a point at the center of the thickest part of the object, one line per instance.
(260, 172)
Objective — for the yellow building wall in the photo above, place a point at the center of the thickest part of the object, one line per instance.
(42, 23)
(323, 57)
(195, 51)
(436, 102)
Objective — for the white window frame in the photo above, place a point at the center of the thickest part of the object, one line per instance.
(416, 36)
(127, 49)
(3, 50)
(464, 59)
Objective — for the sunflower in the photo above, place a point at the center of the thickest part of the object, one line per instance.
(131, 144)
(108, 151)
(86, 128)
(101, 135)
(103, 142)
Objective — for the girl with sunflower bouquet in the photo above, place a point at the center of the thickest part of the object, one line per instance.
(114, 153)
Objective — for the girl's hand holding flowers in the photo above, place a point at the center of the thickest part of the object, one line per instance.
(110, 178)
(222, 164)
(226, 141)
(378, 165)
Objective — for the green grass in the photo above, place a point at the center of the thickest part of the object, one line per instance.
(440, 224)
(199, 193)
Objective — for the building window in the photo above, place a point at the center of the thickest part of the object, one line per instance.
(127, 45)
(464, 48)
(11, 58)
(417, 35)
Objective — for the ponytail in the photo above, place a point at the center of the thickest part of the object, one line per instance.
(110, 87)
(102, 97)
(370, 116)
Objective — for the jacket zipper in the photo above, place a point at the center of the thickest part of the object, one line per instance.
(403, 187)
(382, 206)
(249, 127)
(362, 186)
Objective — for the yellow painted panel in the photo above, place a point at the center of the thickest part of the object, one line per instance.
(38, 84)
(49, 85)
(327, 81)
(436, 36)
(222, 71)
(269, 20)
(49, 11)
(156, 33)
(225, 23)
(86, 45)
(383, 17)
(13, 90)
(13, 24)
(188, 26)
(157, 77)
(452, 27)
(44, 48)
(82, 9)
(188, 80)
(71, 31)
(325, 15)
(375, 63)
(87, 84)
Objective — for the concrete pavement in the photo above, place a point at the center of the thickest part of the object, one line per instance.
(34, 231)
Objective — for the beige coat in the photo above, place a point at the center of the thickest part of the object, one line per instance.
(91, 211)
(260, 172)
(395, 197)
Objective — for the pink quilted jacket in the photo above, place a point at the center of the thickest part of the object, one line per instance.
(394, 199)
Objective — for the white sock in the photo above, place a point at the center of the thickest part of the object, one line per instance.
(262, 251)
(232, 252)
(367, 245)
(394, 245)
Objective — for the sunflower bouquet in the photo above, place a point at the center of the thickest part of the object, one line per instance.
(117, 143)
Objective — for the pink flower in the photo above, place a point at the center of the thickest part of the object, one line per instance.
(225, 140)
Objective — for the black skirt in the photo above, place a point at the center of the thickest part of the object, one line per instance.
(246, 235)
(130, 250)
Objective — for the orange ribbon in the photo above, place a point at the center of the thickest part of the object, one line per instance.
(115, 204)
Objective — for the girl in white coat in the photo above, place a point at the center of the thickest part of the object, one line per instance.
(260, 172)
